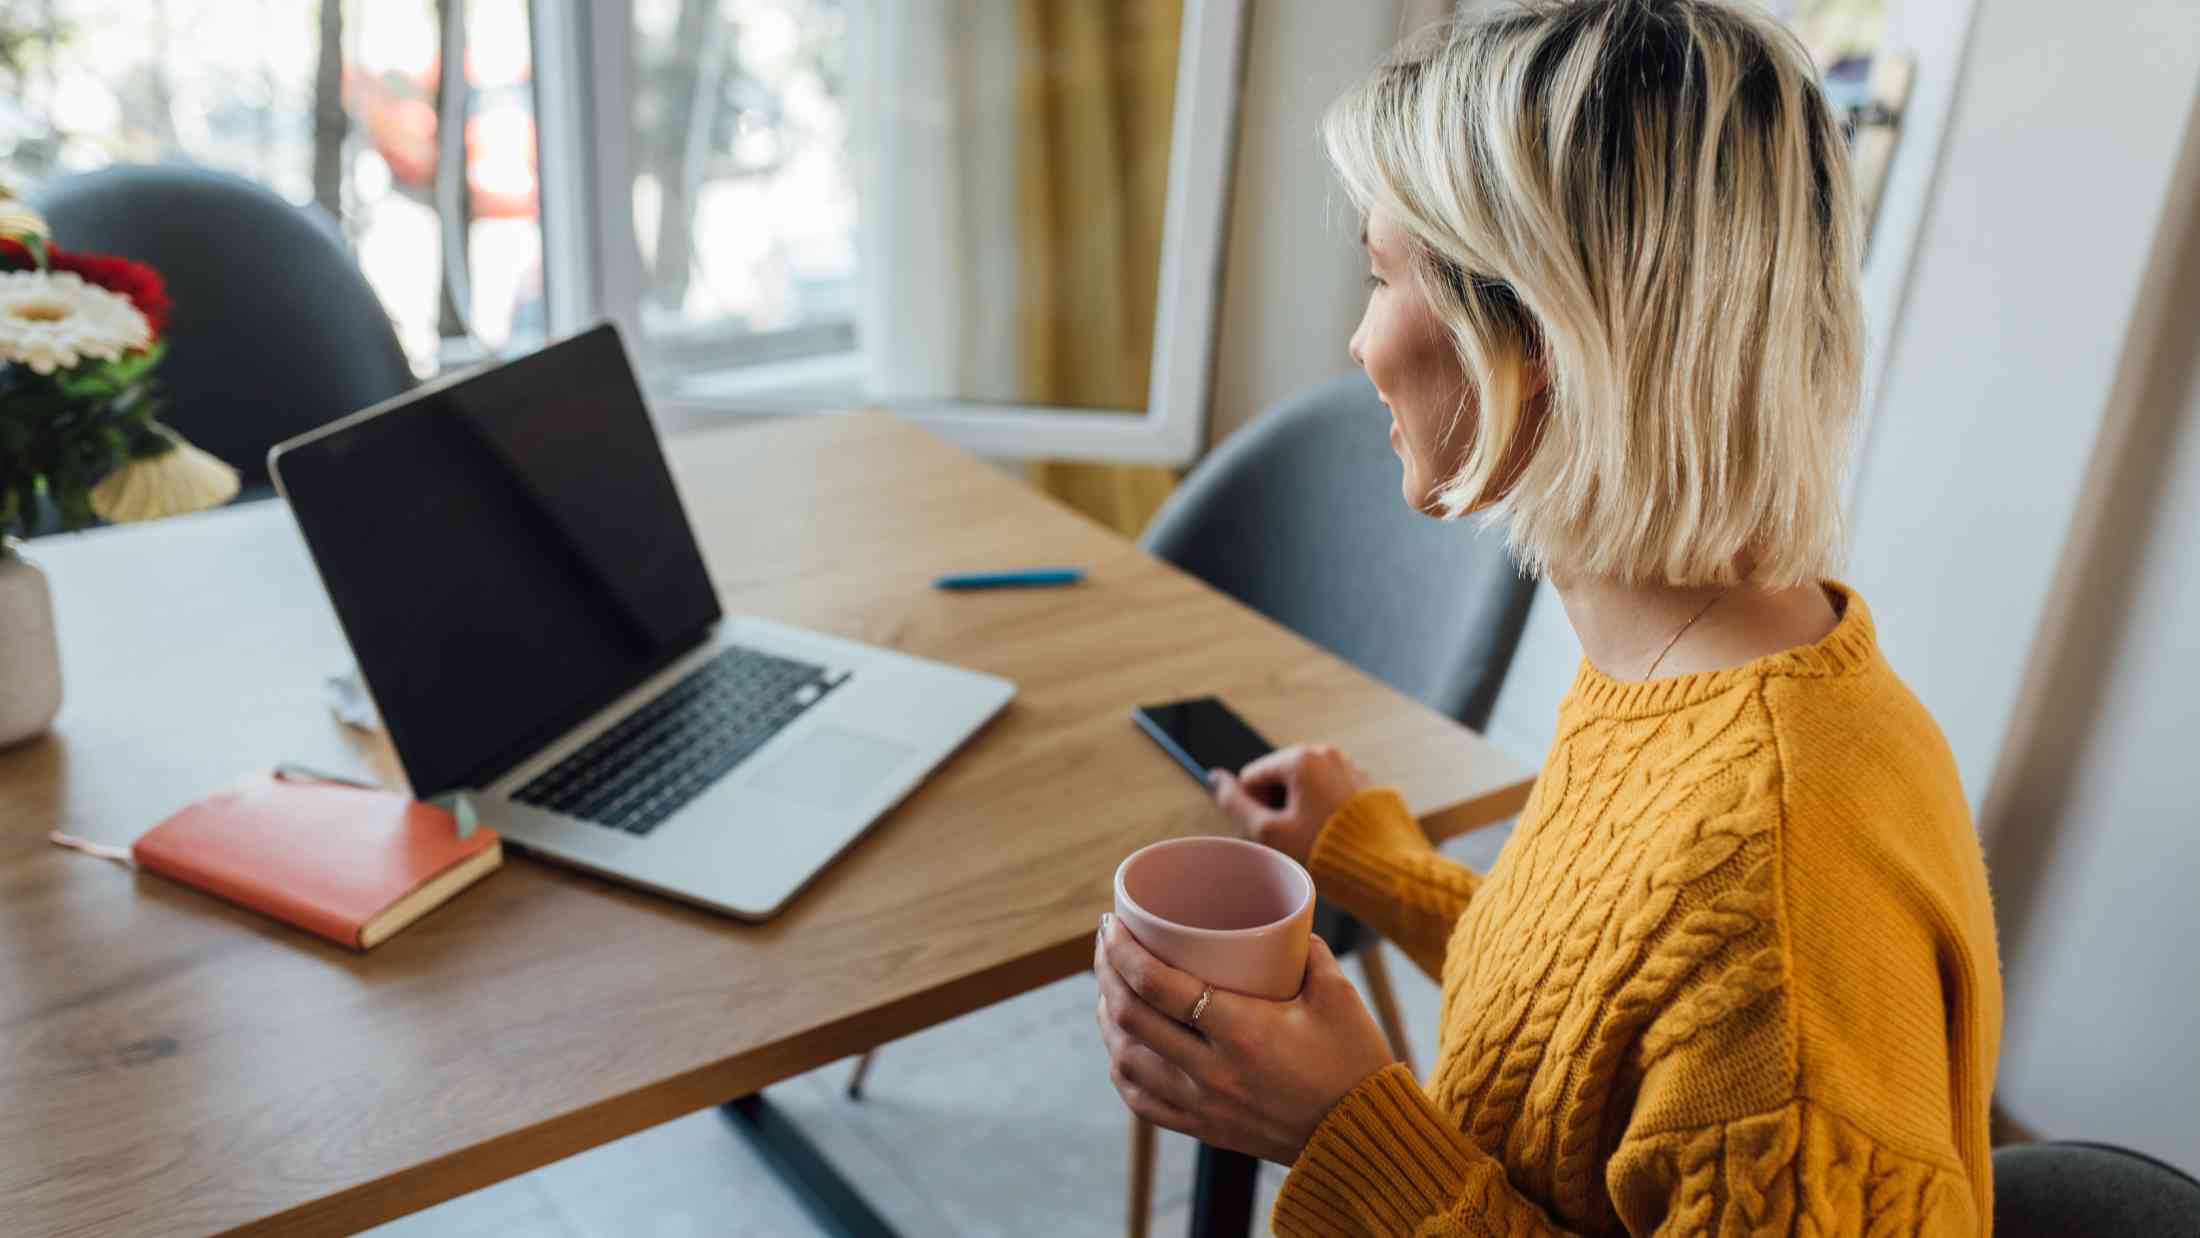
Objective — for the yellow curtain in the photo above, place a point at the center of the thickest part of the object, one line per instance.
(1099, 92)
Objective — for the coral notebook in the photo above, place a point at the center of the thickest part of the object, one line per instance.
(349, 863)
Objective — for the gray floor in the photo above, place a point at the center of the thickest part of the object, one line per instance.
(1002, 1122)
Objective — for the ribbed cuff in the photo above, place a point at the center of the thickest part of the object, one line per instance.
(1356, 857)
(1383, 1161)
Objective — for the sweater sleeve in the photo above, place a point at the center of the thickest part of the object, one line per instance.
(1386, 1161)
(1373, 860)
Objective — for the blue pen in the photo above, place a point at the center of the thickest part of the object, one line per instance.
(1025, 578)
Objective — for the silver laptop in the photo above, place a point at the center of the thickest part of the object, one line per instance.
(530, 612)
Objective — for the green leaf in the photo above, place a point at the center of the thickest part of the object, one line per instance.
(61, 433)
(76, 507)
(151, 438)
(96, 381)
(132, 366)
(103, 379)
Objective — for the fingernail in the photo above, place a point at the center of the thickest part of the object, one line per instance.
(1214, 778)
(1105, 917)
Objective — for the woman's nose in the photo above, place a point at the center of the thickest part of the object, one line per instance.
(1352, 348)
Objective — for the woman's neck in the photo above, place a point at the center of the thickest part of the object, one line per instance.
(1624, 626)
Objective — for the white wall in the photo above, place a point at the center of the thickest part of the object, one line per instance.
(2093, 837)
(1932, 33)
(2044, 223)
(1291, 280)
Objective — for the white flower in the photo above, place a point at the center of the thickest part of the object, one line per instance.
(50, 320)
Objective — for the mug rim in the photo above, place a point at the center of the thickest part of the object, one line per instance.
(1298, 870)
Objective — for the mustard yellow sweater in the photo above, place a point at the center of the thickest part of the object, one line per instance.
(1734, 972)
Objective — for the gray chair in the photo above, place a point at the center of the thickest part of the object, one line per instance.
(274, 332)
(1299, 517)
(2084, 1190)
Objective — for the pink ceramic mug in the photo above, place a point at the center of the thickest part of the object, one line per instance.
(1233, 913)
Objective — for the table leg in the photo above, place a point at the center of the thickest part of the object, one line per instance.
(831, 1200)
(1222, 1194)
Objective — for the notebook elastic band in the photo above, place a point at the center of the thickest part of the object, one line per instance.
(120, 855)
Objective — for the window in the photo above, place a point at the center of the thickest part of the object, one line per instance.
(244, 87)
(1001, 219)
(744, 192)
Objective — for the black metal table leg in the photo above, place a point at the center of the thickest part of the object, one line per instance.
(830, 1199)
(1222, 1194)
(1223, 1186)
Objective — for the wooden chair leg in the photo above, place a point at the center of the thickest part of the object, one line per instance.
(855, 1081)
(1141, 1200)
(1386, 1000)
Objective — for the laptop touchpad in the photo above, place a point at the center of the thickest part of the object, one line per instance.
(832, 768)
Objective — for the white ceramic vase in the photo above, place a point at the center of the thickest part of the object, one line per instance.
(30, 658)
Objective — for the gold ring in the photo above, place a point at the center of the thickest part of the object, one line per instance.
(1205, 995)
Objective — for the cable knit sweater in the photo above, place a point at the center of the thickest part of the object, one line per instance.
(1734, 972)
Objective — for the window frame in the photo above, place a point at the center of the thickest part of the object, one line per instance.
(592, 267)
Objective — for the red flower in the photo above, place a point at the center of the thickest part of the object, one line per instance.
(135, 280)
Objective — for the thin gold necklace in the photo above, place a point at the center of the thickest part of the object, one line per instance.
(1705, 610)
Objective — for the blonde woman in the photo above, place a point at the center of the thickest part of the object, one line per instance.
(1735, 970)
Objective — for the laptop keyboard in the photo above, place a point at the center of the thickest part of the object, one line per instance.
(641, 771)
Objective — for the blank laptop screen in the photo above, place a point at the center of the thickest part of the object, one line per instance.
(506, 554)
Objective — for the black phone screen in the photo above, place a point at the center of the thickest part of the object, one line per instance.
(1202, 734)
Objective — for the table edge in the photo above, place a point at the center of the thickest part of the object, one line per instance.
(461, 1172)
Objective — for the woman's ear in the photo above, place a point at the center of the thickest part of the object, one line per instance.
(1535, 415)
(1535, 370)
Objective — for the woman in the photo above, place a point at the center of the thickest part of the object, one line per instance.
(1735, 969)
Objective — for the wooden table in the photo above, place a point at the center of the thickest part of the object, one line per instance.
(169, 1064)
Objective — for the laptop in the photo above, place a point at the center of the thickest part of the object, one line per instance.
(530, 612)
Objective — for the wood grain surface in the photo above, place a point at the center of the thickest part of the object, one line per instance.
(172, 1065)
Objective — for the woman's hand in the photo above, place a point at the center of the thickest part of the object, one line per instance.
(1251, 1076)
(1310, 782)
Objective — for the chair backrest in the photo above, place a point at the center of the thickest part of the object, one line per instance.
(2090, 1190)
(274, 331)
(1299, 516)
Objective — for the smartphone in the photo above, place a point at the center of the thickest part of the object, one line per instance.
(1203, 734)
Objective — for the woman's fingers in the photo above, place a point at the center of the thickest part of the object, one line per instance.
(1128, 1013)
(1152, 1087)
(1322, 971)
(1147, 1106)
(1275, 769)
(1169, 995)
(1141, 1066)
(1240, 805)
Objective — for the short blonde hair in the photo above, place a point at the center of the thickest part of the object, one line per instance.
(1651, 199)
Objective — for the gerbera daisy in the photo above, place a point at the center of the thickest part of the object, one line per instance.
(50, 320)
